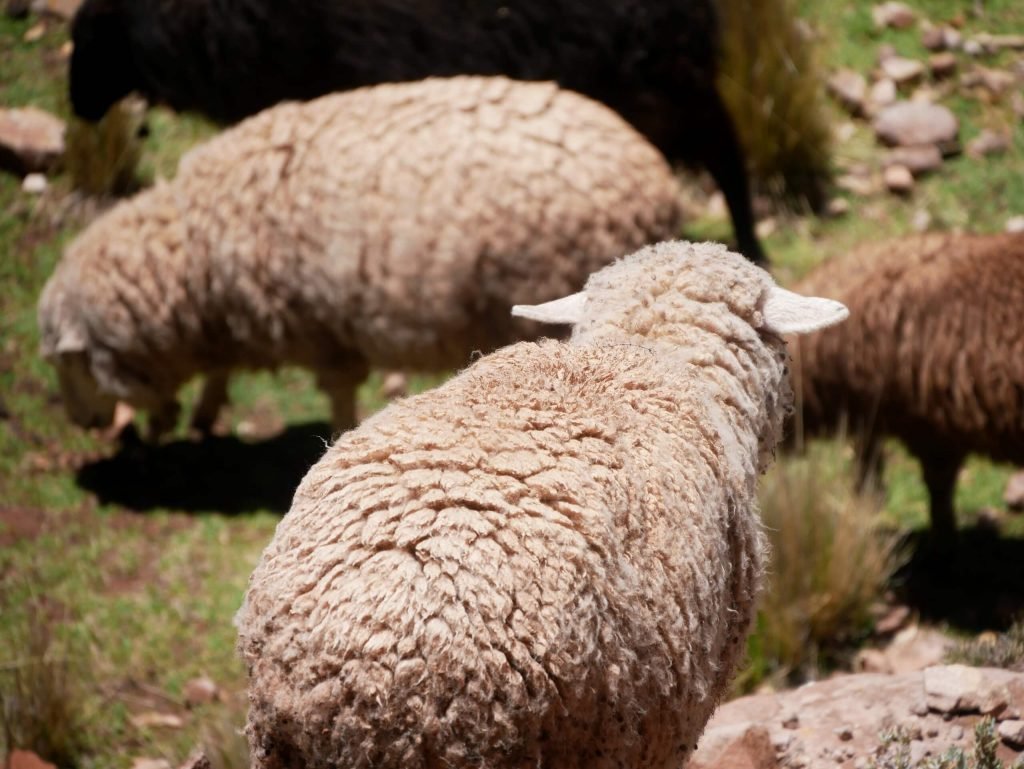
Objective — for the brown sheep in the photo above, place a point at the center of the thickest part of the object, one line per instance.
(933, 355)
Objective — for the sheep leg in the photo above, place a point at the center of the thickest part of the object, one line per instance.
(341, 384)
(212, 399)
(162, 420)
(724, 159)
(940, 469)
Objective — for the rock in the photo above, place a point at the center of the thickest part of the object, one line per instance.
(988, 143)
(956, 733)
(885, 51)
(902, 71)
(973, 48)
(921, 221)
(849, 88)
(200, 691)
(154, 719)
(893, 15)
(62, 9)
(881, 94)
(995, 43)
(844, 733)
(942, 65)
(895, 617)
(898, 179)
(919, 159)
(34, 33)
(933, 38)
(857, 184)
(34, 184)
(1015, 224)
(790, 721)
(906, 123)
(919, 708)
(915, 648)
(952, 38)
(954, 689)
(739, 747)
(30, 139)
(837, 207)
(1012, 733)
(993, 81)
(26, 759)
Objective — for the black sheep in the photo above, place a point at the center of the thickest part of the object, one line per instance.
(653, 61)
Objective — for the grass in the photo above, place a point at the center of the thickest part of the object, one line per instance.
(894, 751)
(110, 606)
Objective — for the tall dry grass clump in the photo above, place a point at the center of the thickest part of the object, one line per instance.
(41, 694)
(102, 158)
(830, 562)
(770, 79)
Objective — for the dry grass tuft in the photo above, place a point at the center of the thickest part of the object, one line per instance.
(41, 696)
(830, 563)
(102, 158)
(770, 80)
(1005, 650)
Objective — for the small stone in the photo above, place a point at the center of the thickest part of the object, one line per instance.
(395, 385)
(988, 143)
(716, 208)
(844, 733)
(902, 71)
(931, 731)
(942, 65)
(34, 33)
(921, 221)
(973, 48)
(34, 184)
(993, 81)
(200, 691)
(898, 179)
(882, 94)
(791, 721)
(1016, 224)
(153, 720)
(1012, 733)
(956, 733)
(837, 207)
(893, 15)
(920, 159)
(952, 38)
(857, 184)
(781, 741)
(151, 763)
(849, 88)
(933, 38)
(919, 708)
(30, 139)
(907, 123)
(766, 227)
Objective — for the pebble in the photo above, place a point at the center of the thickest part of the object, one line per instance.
(34, 184)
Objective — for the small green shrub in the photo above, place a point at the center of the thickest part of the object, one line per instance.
(894, 752)
(830, 562)
(770, 81)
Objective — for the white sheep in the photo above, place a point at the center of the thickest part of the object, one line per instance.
(552, 559)
(391, 226)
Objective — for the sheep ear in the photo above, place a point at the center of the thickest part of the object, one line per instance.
(789, 313)
(568, 309)
(71, 340)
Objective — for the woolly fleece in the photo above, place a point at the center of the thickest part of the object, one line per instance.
(551, 560)
(392, 226)
(932, 355)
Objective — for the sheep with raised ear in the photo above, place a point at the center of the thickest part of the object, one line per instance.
(552, 559)
(391, 226)
(933, 356)
(654, 62)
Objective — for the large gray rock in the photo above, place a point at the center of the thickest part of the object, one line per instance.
(30, 139)
(909, 123)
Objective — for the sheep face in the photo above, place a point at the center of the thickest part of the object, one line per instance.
(85, 403)
(101, 70)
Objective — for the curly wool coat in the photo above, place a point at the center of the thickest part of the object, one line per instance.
(933, 355)
(392, 226)
(551, 560)
(653, 62)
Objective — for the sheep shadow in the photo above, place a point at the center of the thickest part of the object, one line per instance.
(979, 586)
(224, 474)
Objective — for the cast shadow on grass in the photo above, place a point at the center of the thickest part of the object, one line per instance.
(217, 474)
(978, 587)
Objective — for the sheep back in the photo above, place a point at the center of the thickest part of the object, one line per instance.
(548, 561)
(932, 352)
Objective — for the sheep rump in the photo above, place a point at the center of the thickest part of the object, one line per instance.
(392, 226)
(932, 356)
(653, 63)
(551, 560)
